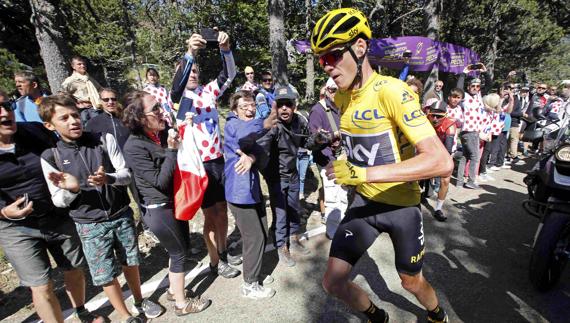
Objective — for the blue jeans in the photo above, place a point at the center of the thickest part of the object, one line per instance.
(303, 160)
(285, 204)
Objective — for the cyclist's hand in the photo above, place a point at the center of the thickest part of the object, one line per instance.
(345, 173)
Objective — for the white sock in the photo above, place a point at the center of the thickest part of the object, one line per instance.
(439, 204)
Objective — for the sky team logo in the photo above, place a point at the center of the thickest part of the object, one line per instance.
(415, 118)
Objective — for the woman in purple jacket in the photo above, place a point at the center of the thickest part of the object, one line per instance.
(244, 157)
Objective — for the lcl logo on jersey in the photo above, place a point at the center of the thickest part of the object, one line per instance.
(361, 118)
(370, 149)
(415, 118)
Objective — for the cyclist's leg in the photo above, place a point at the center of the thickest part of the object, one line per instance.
(407, 234)
(353, 237)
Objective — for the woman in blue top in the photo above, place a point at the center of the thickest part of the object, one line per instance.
(244, 157)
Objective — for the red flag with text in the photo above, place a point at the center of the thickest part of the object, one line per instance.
(190, 179)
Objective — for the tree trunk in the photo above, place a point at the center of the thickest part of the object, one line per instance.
(432, 10)
(131, 43)
(310, 65)
(50, 34)
(277, 43)
(492, 53)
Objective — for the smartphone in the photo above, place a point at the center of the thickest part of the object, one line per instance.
(26, 201)
(407, 53)
(209, 34)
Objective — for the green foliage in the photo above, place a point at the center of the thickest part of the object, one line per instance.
(8, 65)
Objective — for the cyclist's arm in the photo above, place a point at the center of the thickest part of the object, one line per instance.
(431, 160)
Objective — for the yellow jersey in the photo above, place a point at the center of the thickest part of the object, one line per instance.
(380, 123)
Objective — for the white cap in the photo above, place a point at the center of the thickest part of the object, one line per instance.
(331, 84)
(565, 83)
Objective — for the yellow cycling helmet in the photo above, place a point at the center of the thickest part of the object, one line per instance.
(338, 26)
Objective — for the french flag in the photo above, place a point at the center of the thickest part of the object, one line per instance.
(190, 179)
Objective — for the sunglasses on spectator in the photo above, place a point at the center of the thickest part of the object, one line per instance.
(267, 80)
(285, 103)
(247, 106)
(475, 86)
(249, 73)
(156, 109)
(7, 105)
(332, 57)
(541, 88)
(109, 99)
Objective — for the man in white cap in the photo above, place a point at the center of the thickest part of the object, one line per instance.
(325, 118)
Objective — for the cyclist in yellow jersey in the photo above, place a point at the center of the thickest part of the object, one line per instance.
(390, 146)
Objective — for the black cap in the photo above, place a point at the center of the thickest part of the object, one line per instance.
(284, 92)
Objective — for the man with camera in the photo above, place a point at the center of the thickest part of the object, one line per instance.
(324, 118)
(472, 109)
(202, 100)
(30, 225)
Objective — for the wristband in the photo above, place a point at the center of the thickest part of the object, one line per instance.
(348, 174)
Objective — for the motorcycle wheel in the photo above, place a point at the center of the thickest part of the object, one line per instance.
(546, 265)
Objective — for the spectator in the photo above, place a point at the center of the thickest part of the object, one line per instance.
(249, 84)
(445, 128)
(81, 85)
(87, 174)
(552, 90)
(304, 157)
(152, 154)
(520, 104)
(437, 92)
(527, 118)
(159, 92)
(406, 68)
(30, 225)
(469, 135)
(26, 107)
(492, 103)
(109, 121)
(206, 122)
(282, 143)
(267, 87)
(507, 103)
(416, 85)
(244, 157)
(539, 100)
(325, 117)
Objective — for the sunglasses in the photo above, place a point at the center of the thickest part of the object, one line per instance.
(475, 86)
(267, 80)
(156, 109)
(109, 99)
(541, 88)
(7, 105)
(332, 57)
(247, 106)
(248, 73)
(285, 103)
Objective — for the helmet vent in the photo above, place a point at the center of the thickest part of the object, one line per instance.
(347, 25)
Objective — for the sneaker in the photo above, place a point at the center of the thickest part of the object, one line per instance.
(170, 297)
(471, 185)
(268, 280)
(296, 246)
(515, 160)
(224, 270)
(495, 168)
(484, 177)
(323, 219)
(459, 183)
(150, 236)
(85, 316)
(134, 319)
(194, 305)
(506, 166)
(438, 215)
(149, 308)
(301, 196)
(507, 162)
(234, 260)
(256, 291)
(285, 256)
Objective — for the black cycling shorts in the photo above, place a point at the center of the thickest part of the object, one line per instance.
(215, 191)
(366, 219)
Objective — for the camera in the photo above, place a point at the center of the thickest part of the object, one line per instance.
(210, 35)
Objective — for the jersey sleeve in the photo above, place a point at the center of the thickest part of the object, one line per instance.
(402, 105)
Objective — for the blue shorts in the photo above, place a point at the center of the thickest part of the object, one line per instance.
(109, 245)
